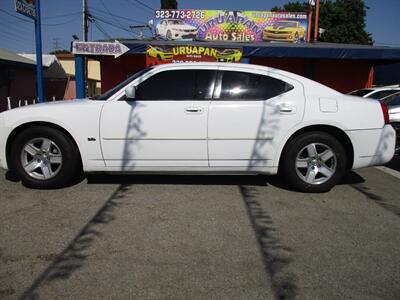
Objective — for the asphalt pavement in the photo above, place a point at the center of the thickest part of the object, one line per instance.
(201, 237)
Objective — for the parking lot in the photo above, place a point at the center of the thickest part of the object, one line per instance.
(193, 237)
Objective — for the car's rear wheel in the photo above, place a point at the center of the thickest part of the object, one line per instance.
(314, 162)
(44, 157)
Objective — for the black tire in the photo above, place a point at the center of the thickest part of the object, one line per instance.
(69, 169)
(293, 151)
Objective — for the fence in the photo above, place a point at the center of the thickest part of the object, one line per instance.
(14, 103)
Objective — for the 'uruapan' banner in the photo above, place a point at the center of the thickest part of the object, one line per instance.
(236, 26)
(157, 54)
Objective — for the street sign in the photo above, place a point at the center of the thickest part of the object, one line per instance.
(26, 7)
(115, 49)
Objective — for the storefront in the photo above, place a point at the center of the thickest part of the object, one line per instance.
(342, 67)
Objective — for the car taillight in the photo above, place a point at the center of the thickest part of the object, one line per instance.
(385, 112)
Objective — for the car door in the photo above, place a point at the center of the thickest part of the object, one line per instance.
(164, 127)
(249, 115)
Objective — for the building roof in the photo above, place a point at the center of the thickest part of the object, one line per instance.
(281, 49)
(11, 58)
(47, 59)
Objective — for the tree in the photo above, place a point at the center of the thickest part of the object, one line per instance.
(65, 51)
(343, 20)
(169, 4)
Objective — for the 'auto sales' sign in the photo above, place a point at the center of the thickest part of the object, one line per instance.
(226, 25)
(26, 7)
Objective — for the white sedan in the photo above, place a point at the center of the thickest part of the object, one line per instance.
(210, 118)
(172, 29)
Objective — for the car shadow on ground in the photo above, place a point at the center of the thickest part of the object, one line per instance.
(394, 164)
(246, 180)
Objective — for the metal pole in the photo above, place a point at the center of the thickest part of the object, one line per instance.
(85, 38)
(79, 76)
(316, 21)
(39, 64)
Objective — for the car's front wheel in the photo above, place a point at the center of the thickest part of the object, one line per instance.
(44, 157)
(314, 162)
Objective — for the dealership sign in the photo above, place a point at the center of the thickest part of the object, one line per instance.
(156, 55)
(115, 49)
(236, 26)
(26, 7)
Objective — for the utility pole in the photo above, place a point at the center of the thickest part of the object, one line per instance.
(316, 21)
(56, 44)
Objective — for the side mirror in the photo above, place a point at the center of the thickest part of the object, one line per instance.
(130, 92)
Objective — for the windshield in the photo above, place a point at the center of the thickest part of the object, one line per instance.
(286, 24)
(115, 89)
(176, 22)
(361, 93)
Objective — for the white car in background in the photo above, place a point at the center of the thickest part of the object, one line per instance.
(200, 118)
(375, 92)
(172, 29)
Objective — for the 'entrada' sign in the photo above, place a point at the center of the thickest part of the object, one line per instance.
(115, 49)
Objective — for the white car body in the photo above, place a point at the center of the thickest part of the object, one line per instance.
(170, 30)
(209, 136)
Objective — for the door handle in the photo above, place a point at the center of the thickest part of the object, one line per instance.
(287, 109)
(194, 110)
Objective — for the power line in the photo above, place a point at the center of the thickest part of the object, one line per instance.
(121, 17)
(144, 5)
(146, 10)
(101, 29)
(109, 12)
(44, 24)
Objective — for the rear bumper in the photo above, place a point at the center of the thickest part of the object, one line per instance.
(373, 147)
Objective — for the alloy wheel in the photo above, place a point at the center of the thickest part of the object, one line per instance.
(316, 163)
(41, 158)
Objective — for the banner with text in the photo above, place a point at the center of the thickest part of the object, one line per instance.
(156, 55)
(236, 26)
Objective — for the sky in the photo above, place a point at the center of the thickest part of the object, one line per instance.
(62, 19)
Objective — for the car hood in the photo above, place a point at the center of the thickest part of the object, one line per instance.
(279, 28)
(49, 110)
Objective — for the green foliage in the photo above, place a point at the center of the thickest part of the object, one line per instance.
(60, 52)
(169, 4)
(343, 20)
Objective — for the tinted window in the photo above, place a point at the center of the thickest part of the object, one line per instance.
(382, 94)
(241, 85)
(360, 93)
(118, 87)
(177, 85)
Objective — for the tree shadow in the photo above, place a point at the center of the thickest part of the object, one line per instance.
(276, 256)
(366, 191)
(74, 255)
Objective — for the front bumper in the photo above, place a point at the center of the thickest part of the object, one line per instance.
(177, 35)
